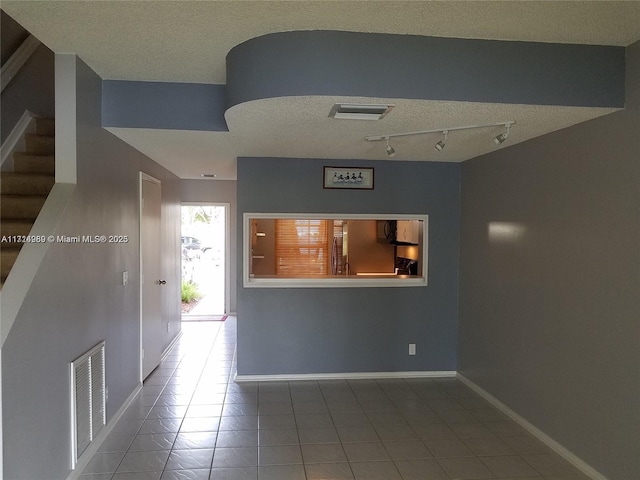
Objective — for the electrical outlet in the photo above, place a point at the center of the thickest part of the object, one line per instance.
(106, 394)
(168, 327)
(412, 349)
(125, 278)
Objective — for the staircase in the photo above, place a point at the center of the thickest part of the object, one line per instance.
(24, 191)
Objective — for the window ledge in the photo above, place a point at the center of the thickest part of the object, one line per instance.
(337, 282)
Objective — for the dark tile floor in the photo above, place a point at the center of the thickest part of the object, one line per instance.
(192, 422)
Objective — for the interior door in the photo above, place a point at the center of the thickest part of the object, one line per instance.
(151, 282)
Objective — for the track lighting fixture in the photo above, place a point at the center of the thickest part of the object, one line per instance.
(390, 150)
(499, 139)
(441, 144)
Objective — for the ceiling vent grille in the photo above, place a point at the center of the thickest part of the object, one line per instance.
(353, 111)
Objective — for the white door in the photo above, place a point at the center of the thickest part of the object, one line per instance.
(151, 281)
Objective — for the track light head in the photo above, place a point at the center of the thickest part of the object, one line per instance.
(500, 139)
(441, 144)
(390, 150)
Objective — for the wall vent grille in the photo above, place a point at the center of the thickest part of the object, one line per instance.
(88, 399)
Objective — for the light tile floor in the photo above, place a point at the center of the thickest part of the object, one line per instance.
(192, 422)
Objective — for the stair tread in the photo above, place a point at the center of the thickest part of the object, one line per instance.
(31, 135)
(8, 249)
(27, 183)
(22, 219)
(36, 155)
(16, 221)
(27, 175)
(15, 224)
(9, 253)
(12, 177)
(11, 229)
(45, 126)
(21, 206)
(28, 163)
(8, 257)
(39, 144)
(34, 174)
(12, 195)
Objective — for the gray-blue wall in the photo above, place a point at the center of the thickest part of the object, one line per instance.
(77, 298)
(550, 315)
(163, 105)
(346, 330)
(410, 66)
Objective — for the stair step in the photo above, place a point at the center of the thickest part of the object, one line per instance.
(8, 257)
(24, 207)
(26, 183)
(25, 163)
(40, 144)
(46, 126)
(15, 227)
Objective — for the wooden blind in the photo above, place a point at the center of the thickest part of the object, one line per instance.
(302, 247)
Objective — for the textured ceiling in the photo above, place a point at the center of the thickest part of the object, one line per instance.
(306, 120)
(285, 127)
(187, 41)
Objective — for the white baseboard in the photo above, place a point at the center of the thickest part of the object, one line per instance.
(170, 346)
(97, 442)
(342, 376)
(536, 432)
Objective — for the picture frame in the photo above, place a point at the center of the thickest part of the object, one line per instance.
(352, 178)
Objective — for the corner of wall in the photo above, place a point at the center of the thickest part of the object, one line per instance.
(65, 88)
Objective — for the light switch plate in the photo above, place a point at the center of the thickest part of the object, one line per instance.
(125, 277)
(412, 349)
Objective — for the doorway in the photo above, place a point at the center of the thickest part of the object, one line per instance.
(204, 239)
(150, 281)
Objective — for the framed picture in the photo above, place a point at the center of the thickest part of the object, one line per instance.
(346, 177)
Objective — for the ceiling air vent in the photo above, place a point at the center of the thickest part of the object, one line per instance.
(352, 111)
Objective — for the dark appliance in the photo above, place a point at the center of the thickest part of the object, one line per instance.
(406, 266)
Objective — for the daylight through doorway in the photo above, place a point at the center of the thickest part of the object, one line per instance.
(203, 256)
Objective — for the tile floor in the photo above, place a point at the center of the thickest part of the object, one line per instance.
(192, 422)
